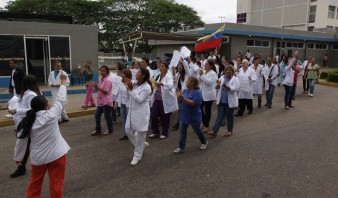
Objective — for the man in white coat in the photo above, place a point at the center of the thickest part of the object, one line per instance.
(246, 76)
(258, 84)
(270, 76)
(54, 82)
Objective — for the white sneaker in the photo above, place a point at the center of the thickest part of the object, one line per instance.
(178, 151)
(163, 137)
(9, 115)
(311, 95)
(146, 144)
(204, 146)
(134, 162)
(152, 135)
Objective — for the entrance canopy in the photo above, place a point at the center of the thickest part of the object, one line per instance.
(157, 36)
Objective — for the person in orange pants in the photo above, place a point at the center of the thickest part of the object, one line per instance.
(56, 173)
(48, 148)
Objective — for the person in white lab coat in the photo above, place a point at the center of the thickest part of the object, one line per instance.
(163, 101)
(289, 80)
(271, 77)
(207, 84)
(227, 100)
(29, 90)
(135, 69)
(54, 83)
(139, 112)
(245, 75)
(258, 84)
(48, 148)
(123, 99)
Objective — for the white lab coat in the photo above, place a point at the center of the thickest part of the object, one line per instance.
(248, 73)
(47, 143)
(133, 73)
(183, 84)
(56, 81)
(257, 86)
(123, 96)
(139, 109)
(274, 75)
(169, 97)
(232, 94)
(289, 73)
(23, 106)
(116, 83)
(207, 85)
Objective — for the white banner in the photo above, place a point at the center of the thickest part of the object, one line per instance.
(175, 59)
(185, 52)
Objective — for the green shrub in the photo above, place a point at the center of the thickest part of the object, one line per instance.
(323, 75)
(332, 77)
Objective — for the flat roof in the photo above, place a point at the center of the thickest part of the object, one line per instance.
(250, 30)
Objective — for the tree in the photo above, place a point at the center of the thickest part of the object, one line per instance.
(115, 17)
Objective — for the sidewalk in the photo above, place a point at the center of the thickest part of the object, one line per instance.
(76, 96)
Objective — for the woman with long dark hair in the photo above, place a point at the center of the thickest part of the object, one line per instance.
(48, 148)
(29, 90)
(139, 112)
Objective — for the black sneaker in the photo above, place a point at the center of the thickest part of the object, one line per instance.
(123, 137)
(176, 126)
(21, 170)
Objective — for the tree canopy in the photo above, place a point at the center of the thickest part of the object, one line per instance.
(115, 18)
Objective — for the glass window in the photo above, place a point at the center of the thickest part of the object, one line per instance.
(265, 44)
(289, 45)
(310, 45)
(310, 28)
(300, 45)
(241, 18)
(313, 0)
(250, 42)
(331, 12)
(11, 47)
(283, 44)
(278, 44)
(312, 15)
(335, 46)
(258, 43)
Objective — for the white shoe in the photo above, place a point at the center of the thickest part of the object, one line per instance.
(9, 115)
(152, 135)
(311, 95)
(163, 137)
(178, 151)
(134, 162)
(146, 144)
(204, 146)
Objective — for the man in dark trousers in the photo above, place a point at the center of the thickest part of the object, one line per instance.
(15, 84)
(16, 79)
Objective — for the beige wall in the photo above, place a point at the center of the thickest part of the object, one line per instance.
(272, 17)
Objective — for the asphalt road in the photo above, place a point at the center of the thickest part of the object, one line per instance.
(273, 153)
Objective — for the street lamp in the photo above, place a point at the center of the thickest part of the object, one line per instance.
(221, 17)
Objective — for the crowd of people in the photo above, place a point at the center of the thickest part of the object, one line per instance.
(143, 97)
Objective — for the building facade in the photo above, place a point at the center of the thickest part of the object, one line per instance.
(36, 45)
(311, 15)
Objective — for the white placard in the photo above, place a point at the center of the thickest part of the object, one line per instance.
(244, 84)
(185, 52)
(175, 59)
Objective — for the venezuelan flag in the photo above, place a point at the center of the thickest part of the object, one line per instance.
(210, 41)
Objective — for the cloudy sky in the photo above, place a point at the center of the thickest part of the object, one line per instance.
(211, 11)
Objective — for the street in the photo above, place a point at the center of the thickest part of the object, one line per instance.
(273, 153)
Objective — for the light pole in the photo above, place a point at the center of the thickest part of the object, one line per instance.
(221, 17)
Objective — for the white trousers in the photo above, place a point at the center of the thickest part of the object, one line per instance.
(138, 139)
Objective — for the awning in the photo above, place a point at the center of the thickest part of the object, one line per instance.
(157, 36)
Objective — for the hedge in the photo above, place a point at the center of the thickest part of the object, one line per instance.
(332, 77)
